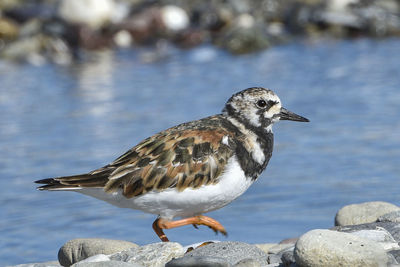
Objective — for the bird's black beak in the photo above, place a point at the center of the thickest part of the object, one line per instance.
(288, 115)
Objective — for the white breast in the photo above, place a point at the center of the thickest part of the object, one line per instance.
(171, 203)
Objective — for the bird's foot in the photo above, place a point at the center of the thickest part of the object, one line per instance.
(160, 224)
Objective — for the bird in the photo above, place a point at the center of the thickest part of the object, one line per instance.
(192, 168)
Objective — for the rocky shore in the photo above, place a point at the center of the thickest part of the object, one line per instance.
(366, 234)
(39, 31)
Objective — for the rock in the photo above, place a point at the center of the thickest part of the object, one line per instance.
(392, 228)
(204, 261)
(244, 36)
(280, 247)
(106, 264)
(266, 247)
(8, 29)
(395, 254)
(247, 263)
(393, 216)
(379, 235)
(331, 248)
(27, 49)
(174, 18)
(152, 255)
(40, 264)
(363, 213)
(93, 13)
(79, 249)
(233, 252)
(288, 258)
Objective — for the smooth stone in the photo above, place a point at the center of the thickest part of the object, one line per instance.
(233, 252)
(77, 250)
(94, 13)
(280, 247)
(367, 212)
(195, 261)
(265, 247)
(392, 228)
(247, 263)
(323, 247)
(39, 264)
(154, 255)
(106, 264)
(393, 216)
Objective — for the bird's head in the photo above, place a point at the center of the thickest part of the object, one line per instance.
(258, 107)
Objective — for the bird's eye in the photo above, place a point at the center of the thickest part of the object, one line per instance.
(261, 103)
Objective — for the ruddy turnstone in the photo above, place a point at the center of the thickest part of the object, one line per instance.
(192, 168)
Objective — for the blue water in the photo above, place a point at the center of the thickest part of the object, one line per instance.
(64, 120)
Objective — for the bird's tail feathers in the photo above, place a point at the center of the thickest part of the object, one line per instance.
(74, 182)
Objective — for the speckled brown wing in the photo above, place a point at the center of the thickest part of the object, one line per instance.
(171, 159)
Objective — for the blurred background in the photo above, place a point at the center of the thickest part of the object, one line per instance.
(82, 81)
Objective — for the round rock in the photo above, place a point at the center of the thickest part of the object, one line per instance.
(331, 248)
(363, 213)
(79, 249)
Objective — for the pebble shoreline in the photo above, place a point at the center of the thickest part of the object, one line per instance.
(366, 234)
(57, 31)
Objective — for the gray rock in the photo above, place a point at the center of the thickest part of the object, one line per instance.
(265, 247)
(195, 261)
(396, 255)
(393, 216)
(40, 264)
(380, 235)
(331, 248)
(280, 248)
(392, 228)
(79, 249)
(274, 259)
(367, 212)
(247, 263)
(288, 258)
(233, 252)
(152, 255)
(106, 264)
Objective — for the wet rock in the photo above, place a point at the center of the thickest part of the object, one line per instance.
(204, 261)
(363, 213)
(157, 254)
(79, 249)
(393, 216)
(233, 252)
(331, 248)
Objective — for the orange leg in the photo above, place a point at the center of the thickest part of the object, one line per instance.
(161, 223)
